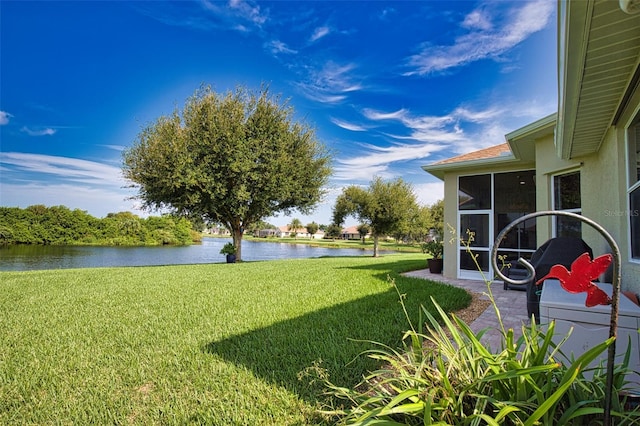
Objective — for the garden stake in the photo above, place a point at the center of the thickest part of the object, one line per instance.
(616, 286)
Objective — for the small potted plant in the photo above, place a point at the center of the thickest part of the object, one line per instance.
(434, 249)
(230, 251)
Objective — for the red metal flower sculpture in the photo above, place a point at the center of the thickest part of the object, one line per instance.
(583, 272)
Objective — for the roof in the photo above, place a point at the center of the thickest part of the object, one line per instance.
(351, 230)
(484, 157)
(491, 152)
(520, 147)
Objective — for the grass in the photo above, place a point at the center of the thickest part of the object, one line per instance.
(208, 344)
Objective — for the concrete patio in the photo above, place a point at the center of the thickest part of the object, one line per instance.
(512, 305)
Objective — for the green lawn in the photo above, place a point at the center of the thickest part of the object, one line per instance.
(215, 344)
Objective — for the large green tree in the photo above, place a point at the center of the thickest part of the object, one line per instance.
(232, 159)
(386, 206)
(428, 222)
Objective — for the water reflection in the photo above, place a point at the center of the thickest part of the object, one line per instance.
(25, 257)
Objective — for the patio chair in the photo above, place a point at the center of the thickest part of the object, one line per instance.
(556, 251)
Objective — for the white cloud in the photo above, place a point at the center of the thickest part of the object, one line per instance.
(319, 33)
(483, 40)
(421, 128)
(378, 156)
(436, 129)
(276, 47)
(119, 148)
(4, 118)
(429, 193)
(463, 130)
(64, 168)
(478, 116)
(372, 114)
(330, 83)
(248, 11)
(238, 15)
(97, 202)
(40, 132)
(348, 126)
(477, 19)
(361, 173)
(75, 183)
(376, 161)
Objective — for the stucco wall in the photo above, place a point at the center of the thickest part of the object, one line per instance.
(548, 165)
(605, 199)
(603, 193)
(450, 269)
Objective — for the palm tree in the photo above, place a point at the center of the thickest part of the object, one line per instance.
(294, 226)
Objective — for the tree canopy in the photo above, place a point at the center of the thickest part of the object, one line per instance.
(232, 159)
(59, 225)
(387, 207)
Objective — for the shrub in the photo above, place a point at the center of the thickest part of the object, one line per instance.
(434, 248)
(445, 375)
(228, 248)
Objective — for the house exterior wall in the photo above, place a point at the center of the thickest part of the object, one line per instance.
(450, 255)
(547, 166)
(604, 194)
(605, 199)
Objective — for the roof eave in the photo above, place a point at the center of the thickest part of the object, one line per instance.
(521, 141)
(573, 22)
(438, 170)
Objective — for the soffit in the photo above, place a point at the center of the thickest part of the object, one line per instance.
(606, 42)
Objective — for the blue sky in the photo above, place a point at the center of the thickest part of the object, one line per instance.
(389, 86)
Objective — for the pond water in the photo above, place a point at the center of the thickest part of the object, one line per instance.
(25, 258)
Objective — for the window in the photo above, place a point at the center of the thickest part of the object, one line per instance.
(474, 192)
(633, 137)
(474, 208)
(566, 197)
(515, 196)
(486, 204)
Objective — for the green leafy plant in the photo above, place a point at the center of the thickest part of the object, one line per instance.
(433, 248)
(228, 248)
(446, 375)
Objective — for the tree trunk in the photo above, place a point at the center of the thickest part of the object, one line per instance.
(375, 245)
(236, 233)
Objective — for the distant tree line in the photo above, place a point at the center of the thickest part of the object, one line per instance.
(59, 225)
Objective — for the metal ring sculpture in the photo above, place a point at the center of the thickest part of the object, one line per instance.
(615, 282)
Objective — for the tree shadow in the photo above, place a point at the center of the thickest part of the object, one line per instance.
(333, 336)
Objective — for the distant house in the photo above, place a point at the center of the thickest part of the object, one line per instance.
(217, 230)
(284, 232)
(584, 159)
(352, 233)
(264, 233)
(318, 235)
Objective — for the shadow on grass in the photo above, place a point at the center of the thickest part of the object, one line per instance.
(335, 336)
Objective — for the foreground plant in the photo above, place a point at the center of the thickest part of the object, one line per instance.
(446, 375)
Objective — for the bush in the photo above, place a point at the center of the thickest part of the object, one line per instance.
(447, 375)
(434, 248)
(228, 248)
